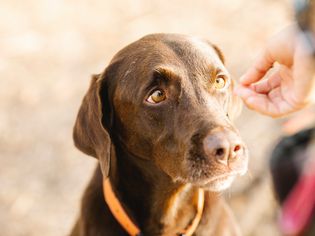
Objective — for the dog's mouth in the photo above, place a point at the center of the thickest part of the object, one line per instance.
(216, 178)
(221, 182)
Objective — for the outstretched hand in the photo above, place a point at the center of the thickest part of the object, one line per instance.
(281, 79)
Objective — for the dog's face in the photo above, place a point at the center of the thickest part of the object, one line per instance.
(167, 99)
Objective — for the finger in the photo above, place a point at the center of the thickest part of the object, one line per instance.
(259, 68)
(257, 101)
(266, 85)
(262, 104)
(280, 48)
(243, 91)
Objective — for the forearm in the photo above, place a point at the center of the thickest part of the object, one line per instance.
(305, 16)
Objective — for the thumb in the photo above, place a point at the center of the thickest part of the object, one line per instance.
(257, 71)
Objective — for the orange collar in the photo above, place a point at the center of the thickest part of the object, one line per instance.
(132, 229)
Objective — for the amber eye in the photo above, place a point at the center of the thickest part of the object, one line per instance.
(156, 96)
(219, 83)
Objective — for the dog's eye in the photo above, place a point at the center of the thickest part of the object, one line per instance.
(220, 82)
(156, 96)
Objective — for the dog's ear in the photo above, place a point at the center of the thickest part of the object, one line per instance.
(89, 134)
(219, 52)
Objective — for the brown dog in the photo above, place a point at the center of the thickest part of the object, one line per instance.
(158, 121)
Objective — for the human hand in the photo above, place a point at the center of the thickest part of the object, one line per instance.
(289, 84)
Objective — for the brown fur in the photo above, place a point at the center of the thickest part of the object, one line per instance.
(154, 153)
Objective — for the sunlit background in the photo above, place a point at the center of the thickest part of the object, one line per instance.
(49, 49)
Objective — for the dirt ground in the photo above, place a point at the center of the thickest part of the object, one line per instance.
(49, 49)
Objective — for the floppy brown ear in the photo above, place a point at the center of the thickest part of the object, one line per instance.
(89, 135)
(219, 52)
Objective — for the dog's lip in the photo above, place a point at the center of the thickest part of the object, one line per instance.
(225, 176)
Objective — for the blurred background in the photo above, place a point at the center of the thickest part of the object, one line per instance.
(48, 51)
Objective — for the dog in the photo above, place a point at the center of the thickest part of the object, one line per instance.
(158, 119)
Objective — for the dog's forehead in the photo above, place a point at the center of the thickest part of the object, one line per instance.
(172, 49)
(183, 54)
(207, 51)
(196, 51)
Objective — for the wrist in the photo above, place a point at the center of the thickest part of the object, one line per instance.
(304, 17)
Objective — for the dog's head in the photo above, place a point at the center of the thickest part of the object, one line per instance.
(168, 99)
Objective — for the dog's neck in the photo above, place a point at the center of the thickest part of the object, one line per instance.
(150, 197)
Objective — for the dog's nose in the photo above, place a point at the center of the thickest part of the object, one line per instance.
(223, 146)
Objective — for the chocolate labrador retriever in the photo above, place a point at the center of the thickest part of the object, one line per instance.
(159, 121)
